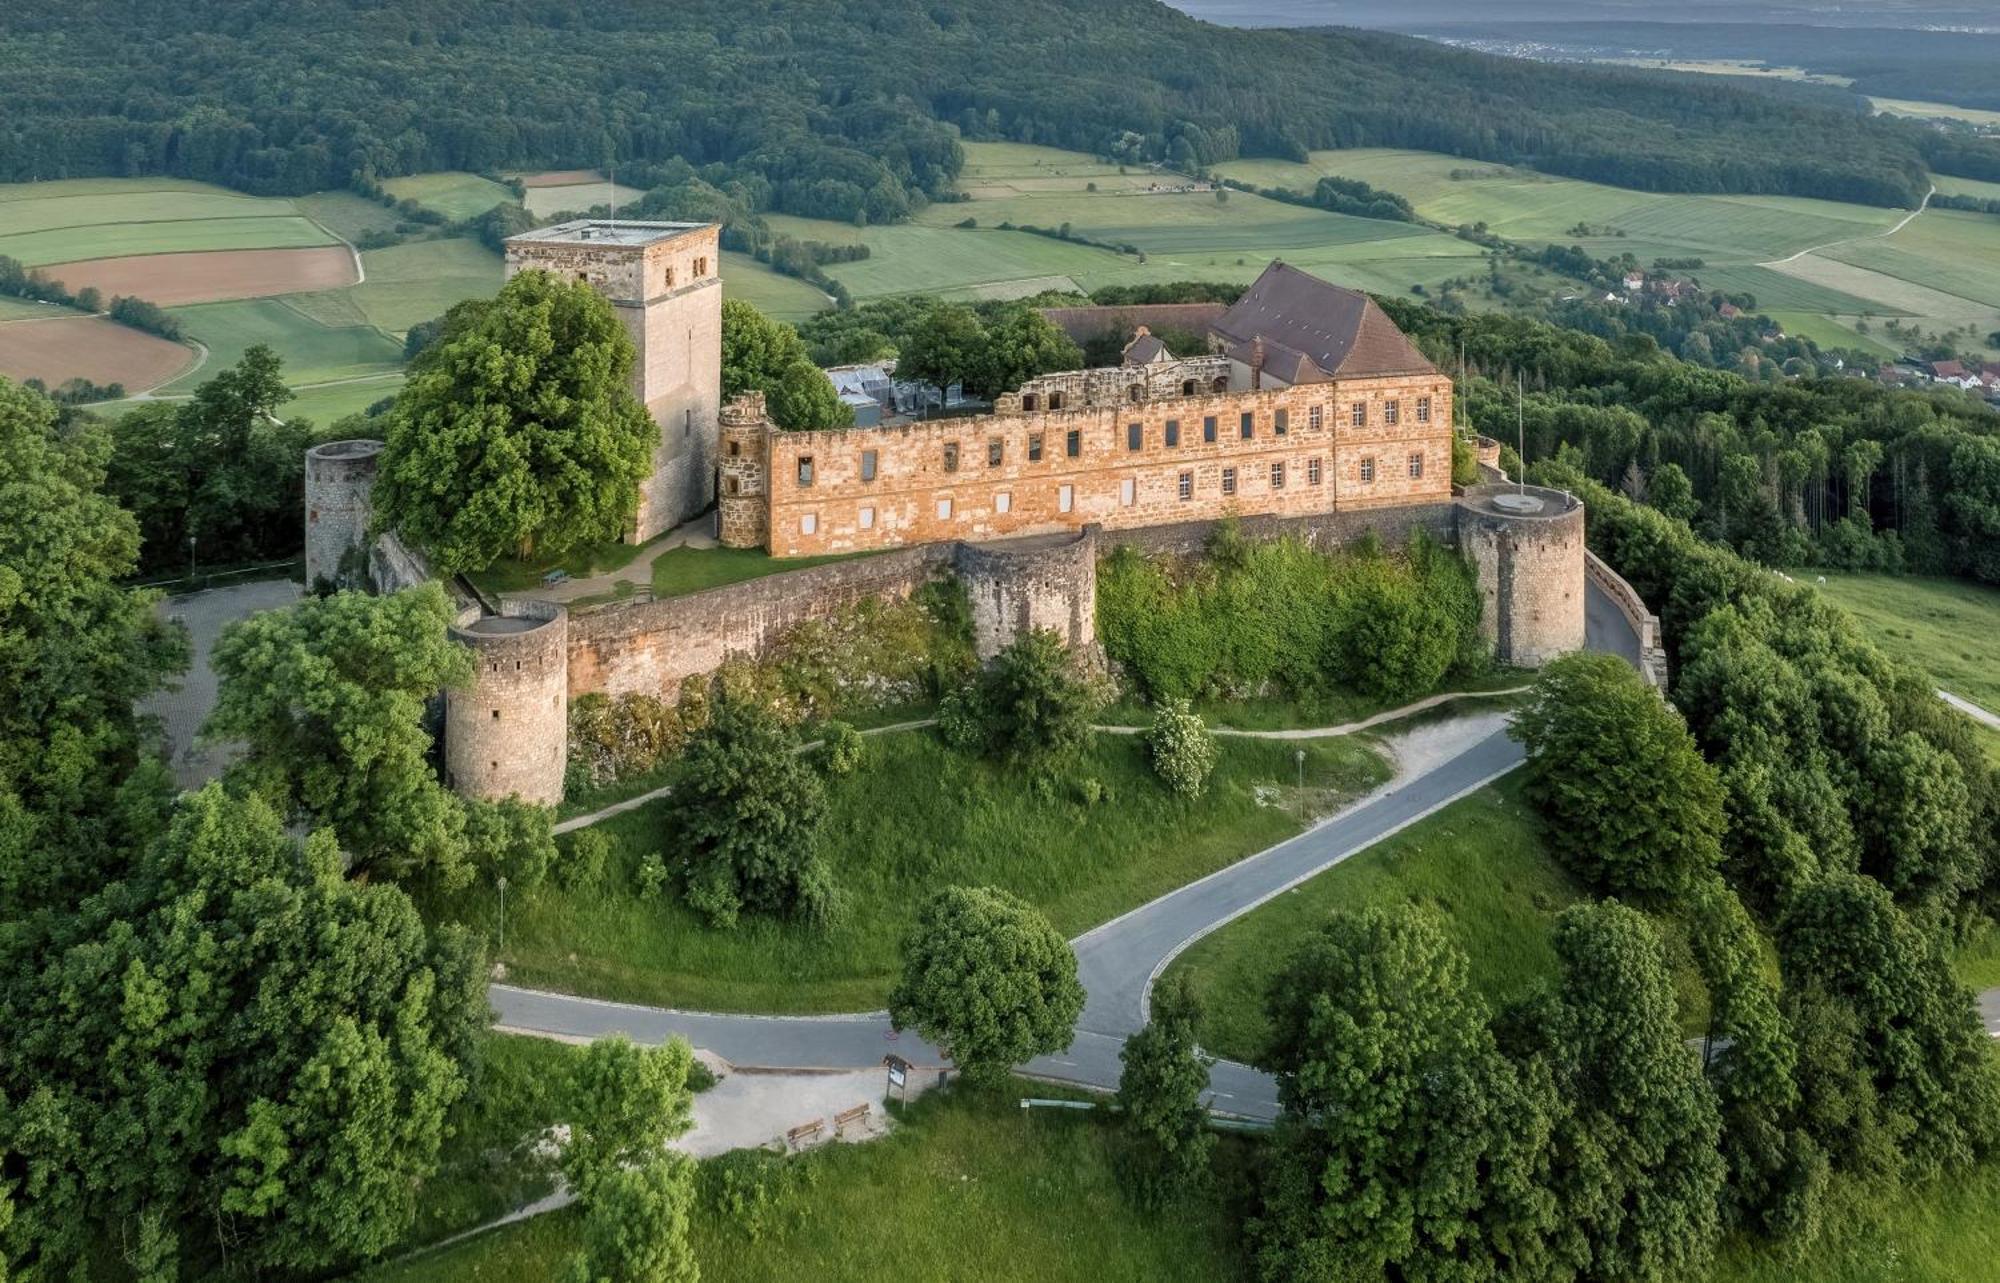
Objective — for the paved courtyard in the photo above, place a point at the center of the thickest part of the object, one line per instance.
(183, 711)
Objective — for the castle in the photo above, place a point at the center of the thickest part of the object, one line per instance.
(1309, 413)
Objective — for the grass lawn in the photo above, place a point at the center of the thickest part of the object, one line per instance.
(1333, 708)
(966, 821)
(455, 195)
(312, 352)
(1943, 1232)
(486, 1167)
(1478, 862)
(335, 401)
(1950, 628)
(512, 574)
(969, 1187)
(686, 570)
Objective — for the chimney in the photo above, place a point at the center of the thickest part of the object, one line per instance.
(1257, 363)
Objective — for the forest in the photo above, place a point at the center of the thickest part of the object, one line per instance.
(820, 109)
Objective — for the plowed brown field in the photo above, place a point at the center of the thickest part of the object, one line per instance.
(210, 276)
(88, 347)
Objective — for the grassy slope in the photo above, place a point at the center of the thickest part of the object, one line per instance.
(773, 293)
(420, 280)
(1479, 862)
(889, 843)
(1948, 627)
(968, 1188)
(455, 195)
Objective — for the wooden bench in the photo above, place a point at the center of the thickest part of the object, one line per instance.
(857, 1116)
(805, 1133)
(554, 577)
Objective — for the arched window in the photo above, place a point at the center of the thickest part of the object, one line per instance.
(1221, 383)
(1055, 400)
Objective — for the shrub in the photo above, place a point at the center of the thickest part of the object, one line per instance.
(582, 868)
(1035, 706)
(1182, 748)
(511, 839)
(651, 877)
(843, 749)
(752, 1191)
(751, 811)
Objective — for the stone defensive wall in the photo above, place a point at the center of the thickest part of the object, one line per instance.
(1644, 623)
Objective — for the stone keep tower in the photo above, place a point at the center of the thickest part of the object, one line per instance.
(340, 489)
(508, 732)
(1525, 544)
(742, 518)
(664, 279)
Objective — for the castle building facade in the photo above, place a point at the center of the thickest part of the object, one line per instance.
(1310, 401)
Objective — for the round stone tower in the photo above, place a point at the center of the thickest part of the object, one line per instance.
(1042, 581)
(340, 488)
(743, 458)
(1526, 548)
(508, 732)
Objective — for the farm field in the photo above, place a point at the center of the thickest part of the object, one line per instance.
(72, 346)
(555, 191)
(421, 279)
(1952, 185)
(211, 275)
(312, 352)
(1942, 269)
(1927, 110)
(771, 292)
(1182, 234)
(453, 194)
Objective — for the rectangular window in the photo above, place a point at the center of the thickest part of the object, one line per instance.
(1128, 492)
(1187, 485)
(951, 456)
(1073, 443)
(1315, 417)
(1229, 481)
(1280, 420)
(1368, 469)
(1208, 429)
(996, 452)
(944, 509)
(1249, 426)
(867, 518)
(1312, 472)
(1392, 412)
(1173, 433)
(1003, 502)
(1423, 409)
(1277, 475)
(1135, 435)
(1416, 465)
(809, 524)
(867, 465)
(1034, 447)
(1360, 414)
(805, 469)
(1065, 498)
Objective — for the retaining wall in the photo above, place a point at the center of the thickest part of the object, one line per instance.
(1644, 623)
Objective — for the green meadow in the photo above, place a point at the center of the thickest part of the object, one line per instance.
(312, 352)
(455, 195)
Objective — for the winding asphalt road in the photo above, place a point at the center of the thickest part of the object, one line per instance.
(1117, 961)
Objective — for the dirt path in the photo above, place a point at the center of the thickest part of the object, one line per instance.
(1905, 221)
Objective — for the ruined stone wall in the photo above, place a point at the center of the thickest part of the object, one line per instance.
(1645, 625)
(1015, 588)
(508, 732)
(393, 565)
(340, 487)
(1022, 473)
(1326, 531)
(651, 647)
(1530, 571)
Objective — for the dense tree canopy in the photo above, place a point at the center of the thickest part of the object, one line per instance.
(801, 107)
(518, 431)
(76, 649)
(231, 1050)
(627, 1102)
(1160, 1090)
(987, 979)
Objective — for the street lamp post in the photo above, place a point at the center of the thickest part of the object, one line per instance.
(1299, 756)
(190, 556)
(502, 883)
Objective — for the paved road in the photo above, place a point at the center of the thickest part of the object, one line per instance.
(183, 709)
(1117, 961)
(1970, 709)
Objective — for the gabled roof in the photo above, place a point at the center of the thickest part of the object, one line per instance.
(1312, 330)
(1146, 348)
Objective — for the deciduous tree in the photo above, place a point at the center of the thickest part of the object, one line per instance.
(763, 355)
(328, 696)
(988, 979)
(1182, 748)
(1629, 802)
(629, 1102)
(635, 1230)
(1160, 1090)
(751, 807)
(518, 430)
